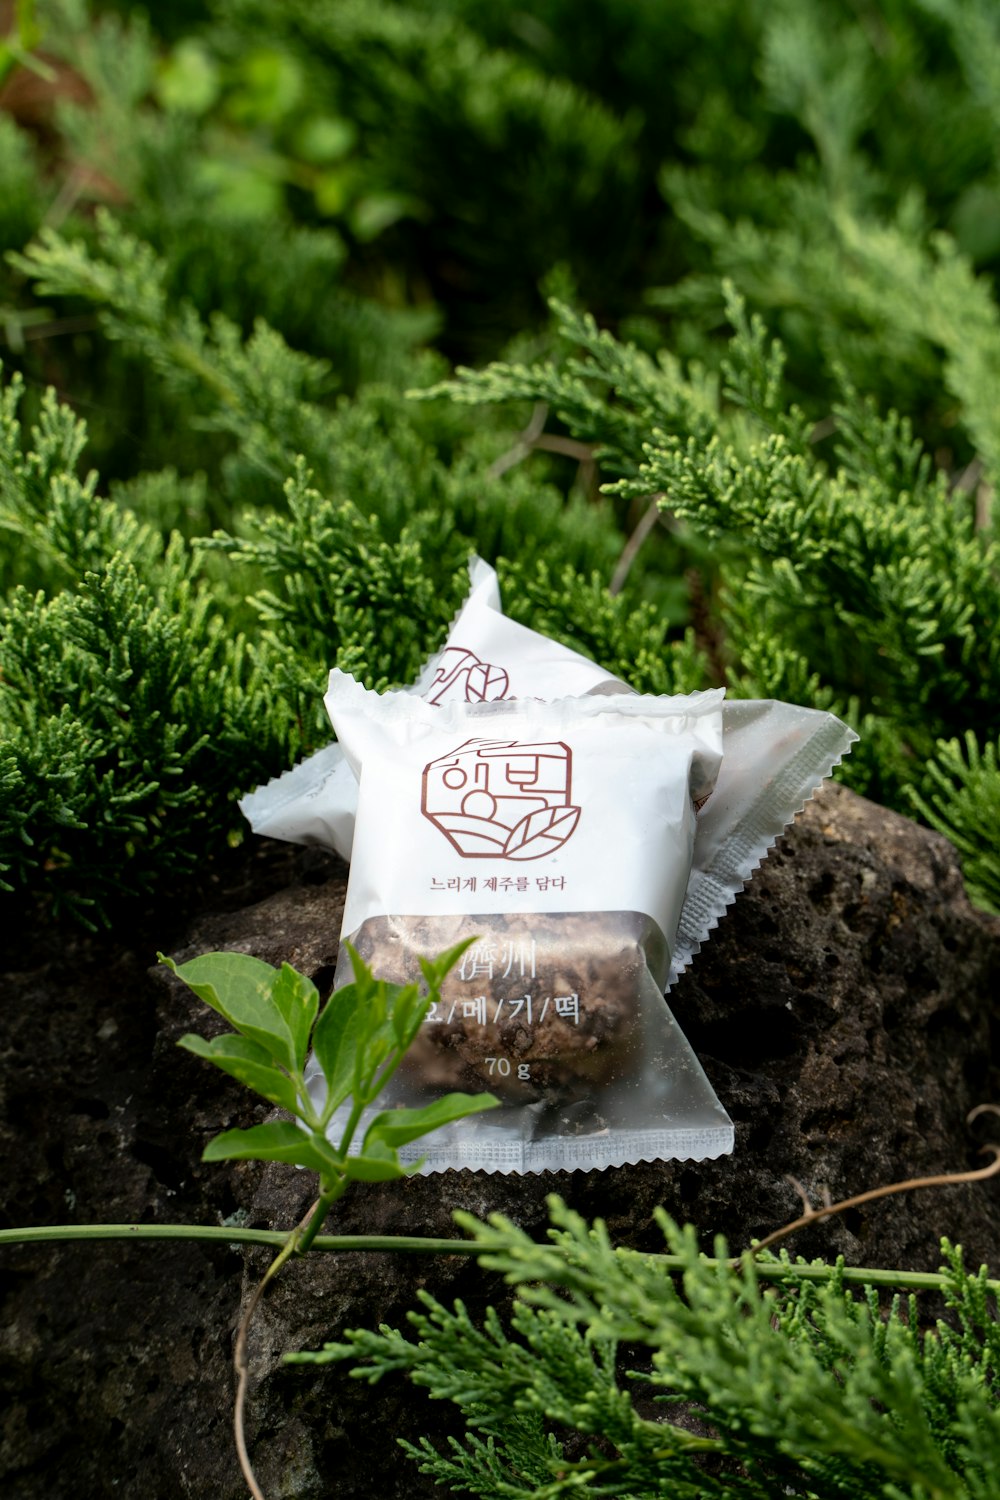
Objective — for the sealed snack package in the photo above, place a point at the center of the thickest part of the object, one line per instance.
(775, 755)
(486, 657)
(559, 836)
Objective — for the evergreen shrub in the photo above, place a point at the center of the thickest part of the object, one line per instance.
(614, 1376)
(241, 243)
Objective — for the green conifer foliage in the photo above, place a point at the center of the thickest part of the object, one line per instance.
(142, 690)
(809, 1390)
(960, 799)
(482, 144)
(251, 226)
(129, 709)
(866, 584)
(19, 187)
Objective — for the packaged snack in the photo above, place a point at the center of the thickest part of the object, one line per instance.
(486, 657)
(775, 755)
(559, 836)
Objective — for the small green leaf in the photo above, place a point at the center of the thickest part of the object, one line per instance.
(407, 1008)
(189, 79)
(248, 1063)
(324, 138)
(272, 82)
(373, 1041)
(279, 1140)
(297, 999)
(336, 1040)
(332, 190)
(374, 1168)
(375, 212)
(240, 988)
(364, 979)
(394, 1127)
(435, 970)
(241, 192)
(231, 1043)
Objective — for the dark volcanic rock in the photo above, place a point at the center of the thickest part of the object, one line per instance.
(843, 1012)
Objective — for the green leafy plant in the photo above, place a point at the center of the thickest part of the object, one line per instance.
(358, 1039)
(744, 1391)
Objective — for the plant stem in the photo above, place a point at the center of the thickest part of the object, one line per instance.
(425, 1245)
(941, 1179)
(295, 1243)
(305, 1238)
(357, 1110)
(243, 1368)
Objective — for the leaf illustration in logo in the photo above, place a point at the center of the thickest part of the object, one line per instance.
(541, 832)
(471, 836)
(484, 683)
(461, 675)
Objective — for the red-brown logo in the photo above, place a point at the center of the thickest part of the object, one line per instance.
(460, 674)
(498, 799)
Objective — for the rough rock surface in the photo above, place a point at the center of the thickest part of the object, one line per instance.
(843, 1012)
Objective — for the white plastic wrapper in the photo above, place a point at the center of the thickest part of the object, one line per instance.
(486, 657)
(559, 1007)
(559, 835)
(775, 755)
